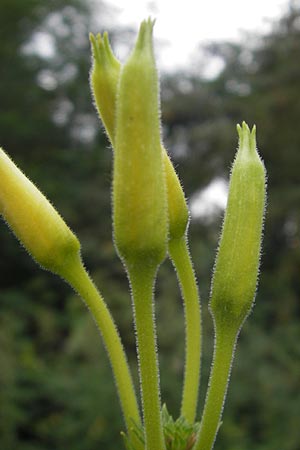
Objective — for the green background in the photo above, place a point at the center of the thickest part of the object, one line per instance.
(56, 387)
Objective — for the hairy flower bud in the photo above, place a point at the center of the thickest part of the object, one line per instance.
(104, 79)
(104, 85)
(236, 269)
(33, 219)
(177, 206)
(139, 191)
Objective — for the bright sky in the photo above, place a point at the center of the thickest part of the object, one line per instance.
(181, 25)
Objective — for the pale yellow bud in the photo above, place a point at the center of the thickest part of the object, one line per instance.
(139, 191)
(34, 221)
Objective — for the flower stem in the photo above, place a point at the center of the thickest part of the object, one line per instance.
(179, 252)
(78, 278)
(219, 378)
(142, 281)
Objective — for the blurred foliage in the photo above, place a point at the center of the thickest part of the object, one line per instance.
(56, 387)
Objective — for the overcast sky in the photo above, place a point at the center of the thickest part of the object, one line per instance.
(182, 25)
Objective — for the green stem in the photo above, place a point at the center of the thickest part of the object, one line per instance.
(79, 279)
(219, 378)
(181, 258)
(142, 281)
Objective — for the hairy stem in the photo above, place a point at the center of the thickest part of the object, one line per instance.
(219, 378)
(142, 281)
(181, 258)
(79, 279)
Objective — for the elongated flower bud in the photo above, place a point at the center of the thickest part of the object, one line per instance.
(33, 219)
(177, 206)
(139, 191)
(104, 79)
(237, 263)
(104, 85)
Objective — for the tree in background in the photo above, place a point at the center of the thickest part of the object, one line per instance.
(48, 124)
(54, 376)
(261, 82)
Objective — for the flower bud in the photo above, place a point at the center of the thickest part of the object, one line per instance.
(177, 207)
(139, 191)
(34, 221)
(104, 85)
(104, 79)
(237, 263)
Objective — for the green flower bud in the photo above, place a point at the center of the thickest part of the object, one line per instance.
(236, 269)
(139, 191)
(104, 85)
(104, 79)
(177, 207)
(34, 221)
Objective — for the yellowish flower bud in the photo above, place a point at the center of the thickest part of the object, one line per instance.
(237, 263)
(177, 207)
(104, 85)
(139, 191)
(34, 221)
(104, 79)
